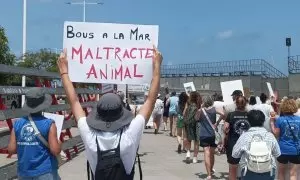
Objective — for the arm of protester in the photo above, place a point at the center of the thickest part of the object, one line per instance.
(237, 150)
(185, 109)
(12, 146)
(68, 86)
(148, 106)
(222, 116)
(198, 113)
(275, 149)
(275, 127)
(226, 127)
(54, 143)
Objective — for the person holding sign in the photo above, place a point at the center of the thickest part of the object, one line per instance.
(110, 131)
(34, 139)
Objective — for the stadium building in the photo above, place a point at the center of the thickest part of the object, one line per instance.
(254, 74)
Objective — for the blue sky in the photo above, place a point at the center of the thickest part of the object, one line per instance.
(191, 31)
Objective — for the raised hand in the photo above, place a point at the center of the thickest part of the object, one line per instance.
(62, 63)
(157, 57)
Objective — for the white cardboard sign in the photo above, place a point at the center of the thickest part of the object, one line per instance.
(59, 121)
(189, 87)
(270, 89)
(228, 87)
(110, 53)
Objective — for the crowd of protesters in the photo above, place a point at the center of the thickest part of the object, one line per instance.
(259, 136)
(199, 119)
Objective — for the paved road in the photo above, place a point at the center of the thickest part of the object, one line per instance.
(160, 161)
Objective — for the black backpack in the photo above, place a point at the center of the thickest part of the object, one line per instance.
(110, 166)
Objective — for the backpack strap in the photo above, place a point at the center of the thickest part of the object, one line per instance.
(89, 171)
(140, 166)
(37, 132)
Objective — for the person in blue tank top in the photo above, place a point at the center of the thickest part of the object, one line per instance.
(173, 108)
(35, 160)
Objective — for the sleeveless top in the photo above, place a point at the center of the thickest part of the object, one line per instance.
(34, 158)
(205, 128)
(166, 107)
(173, 104)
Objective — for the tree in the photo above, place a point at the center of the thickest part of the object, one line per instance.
(6, 57)
(43, 60)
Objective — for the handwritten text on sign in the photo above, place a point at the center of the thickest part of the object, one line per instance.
(110, 53)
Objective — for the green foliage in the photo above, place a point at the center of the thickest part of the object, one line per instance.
(6, 57)
(43, 59)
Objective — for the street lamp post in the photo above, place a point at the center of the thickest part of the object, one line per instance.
(84, 3)
(24, 44)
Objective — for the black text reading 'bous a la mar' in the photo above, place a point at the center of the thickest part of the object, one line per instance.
(105, 54)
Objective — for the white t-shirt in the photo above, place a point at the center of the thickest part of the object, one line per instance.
(130, 141)
(159, 106)
(219, 105)
(266, 109)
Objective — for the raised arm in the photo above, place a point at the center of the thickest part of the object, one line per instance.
(222, 116)
(68, 86)
(148, 106)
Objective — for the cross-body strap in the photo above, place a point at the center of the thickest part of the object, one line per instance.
(208, 119)
(294, 137)
(37, 132)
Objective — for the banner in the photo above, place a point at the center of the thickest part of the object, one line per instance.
(110, 53)
(228, 87)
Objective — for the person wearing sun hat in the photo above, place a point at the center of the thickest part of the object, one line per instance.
(110, 133)
(36, 160)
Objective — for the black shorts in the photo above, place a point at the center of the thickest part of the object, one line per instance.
(207, 142)
(166, 114)
(285, 159)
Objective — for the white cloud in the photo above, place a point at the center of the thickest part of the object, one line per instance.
(225, 34)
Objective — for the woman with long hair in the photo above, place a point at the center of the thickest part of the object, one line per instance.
(182, 104)
(191, 126)
(286, 128)
(236, 124)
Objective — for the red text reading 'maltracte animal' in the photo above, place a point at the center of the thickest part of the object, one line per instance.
(106, 53)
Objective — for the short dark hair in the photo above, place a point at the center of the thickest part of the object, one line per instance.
(263, 97)
(219, 97)
(173, 93)
(256, 118)
(252, 100)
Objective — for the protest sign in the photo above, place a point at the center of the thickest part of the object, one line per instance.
(110, 53)
(189, 87)
(271, 92)
(228, 87)
(58, 119)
